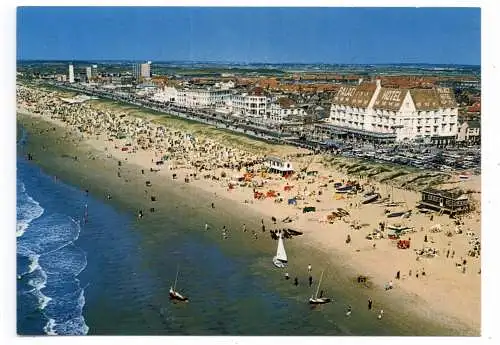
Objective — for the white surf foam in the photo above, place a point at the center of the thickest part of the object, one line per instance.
(49, 327)
(28, 209)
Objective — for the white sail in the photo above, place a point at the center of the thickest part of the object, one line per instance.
(280, 253)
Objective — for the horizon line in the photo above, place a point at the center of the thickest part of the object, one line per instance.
(247, 62)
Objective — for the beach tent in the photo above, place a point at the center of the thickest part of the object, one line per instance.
(292, 201)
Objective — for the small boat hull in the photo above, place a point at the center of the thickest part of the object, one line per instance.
(294, 232)
(278, 263)
(404, 214)
(174, 295)
(322, 300)
(370, 198)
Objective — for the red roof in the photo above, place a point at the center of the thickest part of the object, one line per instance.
(475, 108)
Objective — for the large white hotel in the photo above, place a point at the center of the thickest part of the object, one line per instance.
(372, 112)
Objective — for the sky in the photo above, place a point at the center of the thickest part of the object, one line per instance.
(272, 35)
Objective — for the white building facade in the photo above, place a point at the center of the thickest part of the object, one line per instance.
(195, 98)
(146, 70)
(469, 132)
(88, 71)
(249, 105)
(71, 74)
(283, 110)
(167, 95)
(401, 114)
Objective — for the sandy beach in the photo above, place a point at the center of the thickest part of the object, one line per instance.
(437, 286)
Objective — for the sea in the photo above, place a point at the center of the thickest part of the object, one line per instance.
(87, 266)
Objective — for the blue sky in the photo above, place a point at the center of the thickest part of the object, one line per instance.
(306, 35)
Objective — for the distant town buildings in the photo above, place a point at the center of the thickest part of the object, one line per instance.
(71, 74)
(88, 71)
(202, 98)
(370, 111)
(251, 104)
(142, 71)
(146, 70)
(283, 109)
(469, 133)
(318, 106)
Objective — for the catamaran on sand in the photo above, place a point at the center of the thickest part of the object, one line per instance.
(280, 260)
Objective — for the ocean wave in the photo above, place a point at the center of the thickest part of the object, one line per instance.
(76, 326)
(48, 265)
(38, 280)
(34, 264)
(28, 209)
(51, 233)
(66, 307)
(49, 327)
(54, 263)
(69, 259)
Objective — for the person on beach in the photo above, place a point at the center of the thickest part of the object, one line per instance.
(398, 275)
(213, 206)
(310, 280)
(309, 268)
(287, 276)
(370, 303)
(86, 214)
(296, 281)
(206, 226)
(349, 311)
(244, 228)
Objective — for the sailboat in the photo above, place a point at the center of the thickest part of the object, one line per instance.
(173, 293)
(319, 300)
(280, 260)
(391, 202)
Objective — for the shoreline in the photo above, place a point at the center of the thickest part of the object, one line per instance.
(326, 237)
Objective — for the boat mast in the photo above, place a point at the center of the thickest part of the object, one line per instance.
(176, 275)
(321, 278)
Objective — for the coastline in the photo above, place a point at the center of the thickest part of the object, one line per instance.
(424, 296)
